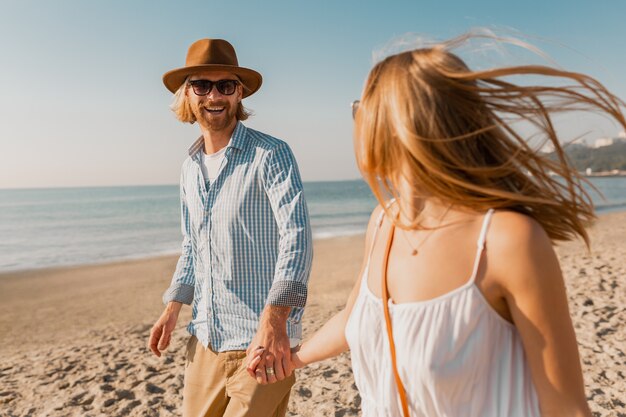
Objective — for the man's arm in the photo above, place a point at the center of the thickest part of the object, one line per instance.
(272, 337)
(161, 333)
(181, 288)
(283, 186)
(284, 190)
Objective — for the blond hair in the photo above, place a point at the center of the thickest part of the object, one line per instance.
(450, 128)
(182, 109)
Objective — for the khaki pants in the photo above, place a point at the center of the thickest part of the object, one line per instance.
(217, 384)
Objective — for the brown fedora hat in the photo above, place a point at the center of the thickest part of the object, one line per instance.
(212, 54)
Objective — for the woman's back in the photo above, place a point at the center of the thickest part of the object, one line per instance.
(456, 355)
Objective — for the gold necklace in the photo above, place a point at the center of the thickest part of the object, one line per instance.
(415, 249)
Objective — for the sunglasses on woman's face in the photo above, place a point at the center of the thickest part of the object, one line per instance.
(204, 87)
(355, 107)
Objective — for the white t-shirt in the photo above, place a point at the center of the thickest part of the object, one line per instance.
(211, 164)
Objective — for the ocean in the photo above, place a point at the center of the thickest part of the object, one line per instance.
(74, 226)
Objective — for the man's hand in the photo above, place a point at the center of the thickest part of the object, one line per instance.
(275, 362)
(161, 332)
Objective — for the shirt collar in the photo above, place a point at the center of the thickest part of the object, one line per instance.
(237, 140)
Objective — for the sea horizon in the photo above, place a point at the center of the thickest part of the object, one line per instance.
(57, 187)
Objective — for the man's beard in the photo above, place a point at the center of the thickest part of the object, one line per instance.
(218, 122)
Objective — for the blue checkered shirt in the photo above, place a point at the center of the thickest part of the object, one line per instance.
(246, 241)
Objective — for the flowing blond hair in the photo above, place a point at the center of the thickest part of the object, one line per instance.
(182, 109)
(451, 130)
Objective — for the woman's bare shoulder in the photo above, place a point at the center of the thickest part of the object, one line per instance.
(511, 231)
(517, 248)
(374, 220)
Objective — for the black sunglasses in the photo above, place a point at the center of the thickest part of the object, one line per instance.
(204, 87)
(355, 107)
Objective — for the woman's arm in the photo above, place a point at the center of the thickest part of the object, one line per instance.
(521, 259)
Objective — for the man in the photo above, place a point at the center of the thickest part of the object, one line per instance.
(246, 251)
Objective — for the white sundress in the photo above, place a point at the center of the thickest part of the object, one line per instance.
(456, 356)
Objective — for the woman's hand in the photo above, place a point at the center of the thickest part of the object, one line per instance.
(255, 371)
(296, 361)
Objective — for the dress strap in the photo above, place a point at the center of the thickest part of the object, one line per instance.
(481, 243)
(379, 222)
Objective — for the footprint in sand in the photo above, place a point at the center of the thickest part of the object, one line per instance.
(304, 392)
(154, 389)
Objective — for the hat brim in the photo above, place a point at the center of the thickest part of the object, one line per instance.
(251, 79)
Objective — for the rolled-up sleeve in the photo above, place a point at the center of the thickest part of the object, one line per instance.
(283, 187)
(181, 288)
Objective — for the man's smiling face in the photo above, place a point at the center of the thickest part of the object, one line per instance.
(215, 111)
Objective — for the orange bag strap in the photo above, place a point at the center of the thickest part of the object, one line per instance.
(392, 346)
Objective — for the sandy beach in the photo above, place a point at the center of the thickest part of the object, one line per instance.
(73, 340)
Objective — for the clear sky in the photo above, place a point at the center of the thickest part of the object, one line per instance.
(82, 102)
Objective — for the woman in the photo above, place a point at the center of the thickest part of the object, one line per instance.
(462, 242)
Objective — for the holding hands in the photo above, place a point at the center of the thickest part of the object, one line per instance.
(259, 365)
(269, 357)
